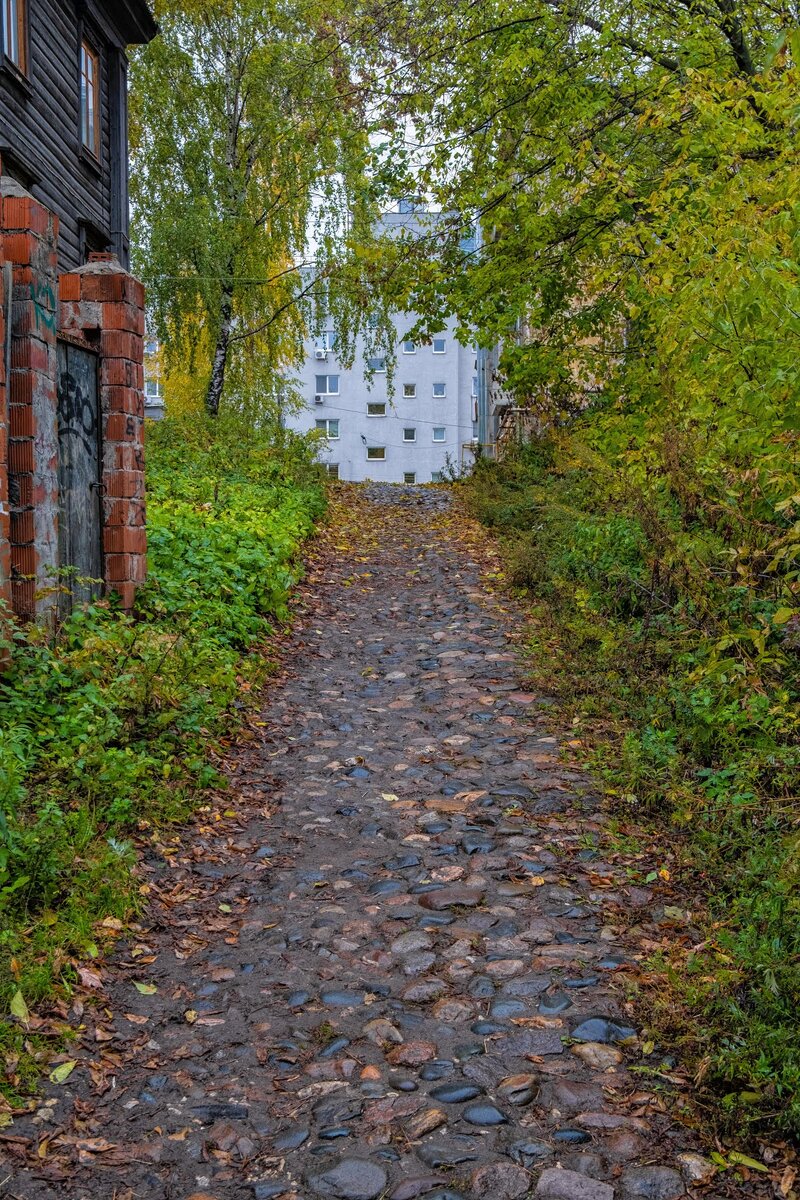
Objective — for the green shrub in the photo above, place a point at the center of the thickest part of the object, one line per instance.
(667, 619)
(107, 726)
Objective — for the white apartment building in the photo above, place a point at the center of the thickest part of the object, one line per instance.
(411, 436)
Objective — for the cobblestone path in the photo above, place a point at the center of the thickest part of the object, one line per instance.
(404, 979)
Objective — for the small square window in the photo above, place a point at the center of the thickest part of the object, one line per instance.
(409, 390)
(409, 435)
(378, 365)
(409, 347)
(440, 390)
(332, 470)
(409, 476)
(376, 453)
(152, 389)
(439, 433)
(437, 477)
(327, 385)
(376, 409)
(474, 385)
(329, 426)
(439, 345)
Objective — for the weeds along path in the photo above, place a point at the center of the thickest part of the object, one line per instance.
(390, 962)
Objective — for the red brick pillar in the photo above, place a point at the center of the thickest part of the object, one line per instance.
(30, 237)
(102, 305)
(5, 522)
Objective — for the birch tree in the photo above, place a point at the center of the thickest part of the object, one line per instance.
(247, 133)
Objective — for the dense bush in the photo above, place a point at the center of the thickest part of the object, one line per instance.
(107, 726)
(672, 619)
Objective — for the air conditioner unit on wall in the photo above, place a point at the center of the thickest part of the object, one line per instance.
(319, 399)
(321, 355)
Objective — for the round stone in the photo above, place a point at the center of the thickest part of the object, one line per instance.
(351, 1179)
(411, 1054)
(455, 1093)
(517, 1089)
(598, 1029)
(652, 1183)
(597, 1056)
(484, 1114)
(501, 1181)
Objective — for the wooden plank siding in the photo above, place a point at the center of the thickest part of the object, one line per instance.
(40, 132)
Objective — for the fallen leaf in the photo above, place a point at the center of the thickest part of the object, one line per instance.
(741, 1160)
(19, 1008)
(190, 1015)
(63, 1071)
(135, 1018)
(89, 978)
(147, 989)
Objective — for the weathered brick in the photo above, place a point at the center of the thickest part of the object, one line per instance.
(126, 593)
(118, 568)
(23, 597)
(124, 316)
(22, 527)
(20, 420)
(124, 539)
(23, 559)
(20, 456)
(138, 566)
(115, 343)
(124, 484)
(69, 287)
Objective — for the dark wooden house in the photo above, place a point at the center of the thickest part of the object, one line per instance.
(63, 114)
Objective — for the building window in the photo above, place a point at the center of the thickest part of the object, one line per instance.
(440, 390)
(375, 409)
(376, 453)
(328, 340)
(474, 385)
(439, 345)
(437, 477)
(329, 426)
(332, 470)
(409, 435)
(153, 390)
(90, 99)
(409, 390)
(409, 347)
(15, 33)
(378, 365)
(409, 476)
(327, 385)
(439, 433)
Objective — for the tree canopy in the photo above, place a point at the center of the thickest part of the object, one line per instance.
(249, 144)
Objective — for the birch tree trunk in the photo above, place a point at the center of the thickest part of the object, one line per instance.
(217, 381)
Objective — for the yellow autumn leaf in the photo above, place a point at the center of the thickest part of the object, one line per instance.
(19, 1008)
(63, 1071)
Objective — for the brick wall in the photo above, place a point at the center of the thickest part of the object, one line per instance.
(5, 522)
(101, 307)
(30, 236)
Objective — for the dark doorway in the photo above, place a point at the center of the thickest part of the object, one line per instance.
(79, 475)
